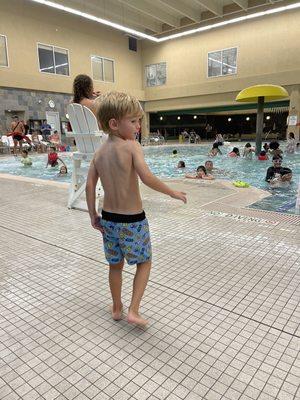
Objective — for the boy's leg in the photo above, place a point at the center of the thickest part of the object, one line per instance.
(139, 285)
(115, 283)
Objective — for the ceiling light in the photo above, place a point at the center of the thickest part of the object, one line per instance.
(178, 117)
(248, 119)
(161, 118)
(229, 119)
(195, 117)
(174, 36)
(231, 21)
(268, 117)
(96, 19)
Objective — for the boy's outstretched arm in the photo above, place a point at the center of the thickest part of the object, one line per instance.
(148, 178)
(90, 191)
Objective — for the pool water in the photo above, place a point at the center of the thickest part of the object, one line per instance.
(163, 164)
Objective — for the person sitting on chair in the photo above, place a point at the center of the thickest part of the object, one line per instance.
(83, 92)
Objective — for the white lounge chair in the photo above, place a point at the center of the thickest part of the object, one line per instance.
(88, 137)
(7, 141)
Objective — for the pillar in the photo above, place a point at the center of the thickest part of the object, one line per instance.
(146, 125)
(294, 112)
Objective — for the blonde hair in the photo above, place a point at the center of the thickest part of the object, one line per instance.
(116, 105)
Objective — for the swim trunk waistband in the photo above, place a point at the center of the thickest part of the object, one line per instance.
(123, 218)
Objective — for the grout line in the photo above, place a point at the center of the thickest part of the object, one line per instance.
(153, 282)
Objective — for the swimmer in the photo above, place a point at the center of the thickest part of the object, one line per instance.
(274, 149)
(174, 153)
(248, 150)
(53, 158)
(181, 164)
(26, 161)
(214, 150)
(63, 170)
(263, 156)
(234, 153)
(209, 165)
(201, 173)
(278, 176)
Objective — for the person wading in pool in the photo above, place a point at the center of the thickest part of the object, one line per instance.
(278, 174)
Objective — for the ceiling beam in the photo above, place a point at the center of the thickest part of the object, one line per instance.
(146, 8)
(212, 6)
(180, 7)
(242, 3)
(115, 13)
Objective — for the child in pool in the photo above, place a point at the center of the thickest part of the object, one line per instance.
(26, 161)
(201, 173)
(63, 170)
(248, 151)
(53, 158)
(274, 149)
(262, 156)
(234, 153)
(291, 144)
(181, 164)
(214, 150)
(174, 153)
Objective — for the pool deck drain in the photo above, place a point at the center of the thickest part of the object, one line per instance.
(223, 300)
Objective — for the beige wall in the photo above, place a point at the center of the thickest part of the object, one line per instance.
(268, 52)
(25, 23)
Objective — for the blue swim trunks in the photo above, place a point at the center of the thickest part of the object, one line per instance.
(126, 236)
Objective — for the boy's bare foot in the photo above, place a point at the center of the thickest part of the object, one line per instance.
(133, 318)
(116, 315)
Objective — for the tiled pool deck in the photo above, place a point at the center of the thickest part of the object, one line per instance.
(223, 301)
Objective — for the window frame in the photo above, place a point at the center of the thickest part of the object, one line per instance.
(103, 58)
(6, 47)
(145, 75)
(53, 46)
(221, 50)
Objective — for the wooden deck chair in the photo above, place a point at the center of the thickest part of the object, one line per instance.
(88, 137)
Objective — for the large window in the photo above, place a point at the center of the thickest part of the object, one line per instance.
(103, 69)
(3, 52)
(53, 60)
(222, 62)
(156, 74)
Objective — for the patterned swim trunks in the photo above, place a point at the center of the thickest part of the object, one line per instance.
(126, 236)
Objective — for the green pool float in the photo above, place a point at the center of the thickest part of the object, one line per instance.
(241, 184)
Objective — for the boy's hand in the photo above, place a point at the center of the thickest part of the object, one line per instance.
(179, 196)
(96, 223)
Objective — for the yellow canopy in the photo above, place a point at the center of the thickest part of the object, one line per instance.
(269, 92)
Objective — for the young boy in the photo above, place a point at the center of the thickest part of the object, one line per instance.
(118, 163)
(25, 160)
(53, 158)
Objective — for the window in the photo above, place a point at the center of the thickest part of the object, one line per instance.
(103, 69)
(53, 60)
(156, 74)
(222, 62)
(3, 52)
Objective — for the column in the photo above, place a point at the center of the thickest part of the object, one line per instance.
(294, 113)
(146, 125)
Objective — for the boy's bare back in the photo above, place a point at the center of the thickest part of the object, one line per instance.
(114, 163)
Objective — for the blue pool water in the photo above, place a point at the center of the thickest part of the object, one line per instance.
(163, 164)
